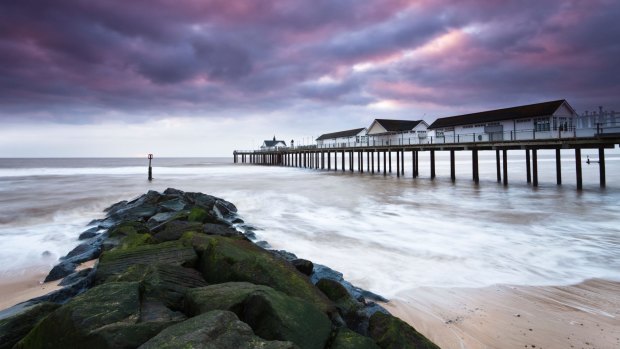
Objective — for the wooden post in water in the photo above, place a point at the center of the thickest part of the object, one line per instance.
(372, 161)
(417, 164)
(390, 160)
(402, 162)
(558, 166)
(474, 164)
(578, 168)
(150, 157)
(432, 164)
(343, 161)
(535, 167)
(329, 162)
(601, 165)
(527, 166)
(384, 168)
(368, 161)
(452, 166)
(497, 162)
(505, 163)
(398, 163)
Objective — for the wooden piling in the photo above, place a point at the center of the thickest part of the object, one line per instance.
(452, 166)
(558, 166)
(505, 163)
(390, 160)
(601, 166)
(432, 164)
(535, 167)
(474, 164)
(578, 168)
(402, 162)
(398, 163)
(527, 166)
(384, 161)
(372, 161)
(497, 163)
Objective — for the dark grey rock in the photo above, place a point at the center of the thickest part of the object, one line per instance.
(60, 271)
(303, 265)
(224, 208)
(176, 204)
(14, 328)
(90, 233)
(219, 229)
(76, 277)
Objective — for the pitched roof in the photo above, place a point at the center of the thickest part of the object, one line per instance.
(523, 111)
(398, 125)
(269, 143)
(340, 134)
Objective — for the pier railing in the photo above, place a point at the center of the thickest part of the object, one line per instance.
(601, 130)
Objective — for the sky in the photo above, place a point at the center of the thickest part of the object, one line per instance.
(92, 78)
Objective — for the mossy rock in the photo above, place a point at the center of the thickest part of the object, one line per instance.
(128, 336)
(167, 283)
(116, 262)
(14, 328)
(215, 329)
(272, 314)
(347, 339)
(198, 214)
(135, 240)
(225, 259)
(174, 230)
(390, 332)
(75, 324)
(351, 310)
(128, 228)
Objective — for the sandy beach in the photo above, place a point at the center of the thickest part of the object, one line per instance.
(29, 284)
(586, 315)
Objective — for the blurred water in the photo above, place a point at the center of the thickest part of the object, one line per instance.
(386, 234)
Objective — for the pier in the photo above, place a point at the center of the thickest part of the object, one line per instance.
(377, 159)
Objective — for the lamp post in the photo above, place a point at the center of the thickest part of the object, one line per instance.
(150, 157)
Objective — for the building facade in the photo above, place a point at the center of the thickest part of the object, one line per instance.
(554, 119)
(349, 138)
(397, 132)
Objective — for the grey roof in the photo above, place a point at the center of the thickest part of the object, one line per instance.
(520, 112)
(340, 134)
(270, 143)
(398, 125)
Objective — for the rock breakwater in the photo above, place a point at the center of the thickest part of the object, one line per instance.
(180, 269)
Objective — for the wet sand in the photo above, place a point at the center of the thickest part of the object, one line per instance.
(29, 284)
(586, 315)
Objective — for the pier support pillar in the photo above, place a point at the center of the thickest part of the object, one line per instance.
(329, 162)
(535, 167)
(416, 172)
(558, 166)
(452, 166)
(367, 161)
(390, 160)
(343, 161)
(505, 163)
(432, 164)
(384, 161)
(398, 163)
(497, 163)
(402, 162)
(601, 166)
(372, 161)
(578, 168)
(474, 164)
(527, 166)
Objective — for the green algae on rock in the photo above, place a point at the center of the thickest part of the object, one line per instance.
(272, 314)
(214, 329)
(14, 328)
(390, 332)
(347, 339)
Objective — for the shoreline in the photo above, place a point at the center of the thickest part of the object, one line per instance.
(30, 285)
(584, 315)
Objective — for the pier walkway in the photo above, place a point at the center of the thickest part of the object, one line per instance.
(376, 158)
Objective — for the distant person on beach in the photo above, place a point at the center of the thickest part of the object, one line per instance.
(588, 159)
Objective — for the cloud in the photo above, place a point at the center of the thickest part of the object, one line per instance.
(73, 61)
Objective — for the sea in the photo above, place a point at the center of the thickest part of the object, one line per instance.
(386, 233)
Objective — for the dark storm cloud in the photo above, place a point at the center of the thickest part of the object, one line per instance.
(76, 60)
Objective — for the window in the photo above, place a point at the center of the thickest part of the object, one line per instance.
(439, 133)
(541, 124)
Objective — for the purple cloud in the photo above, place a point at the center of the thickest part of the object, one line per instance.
(81, 61)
